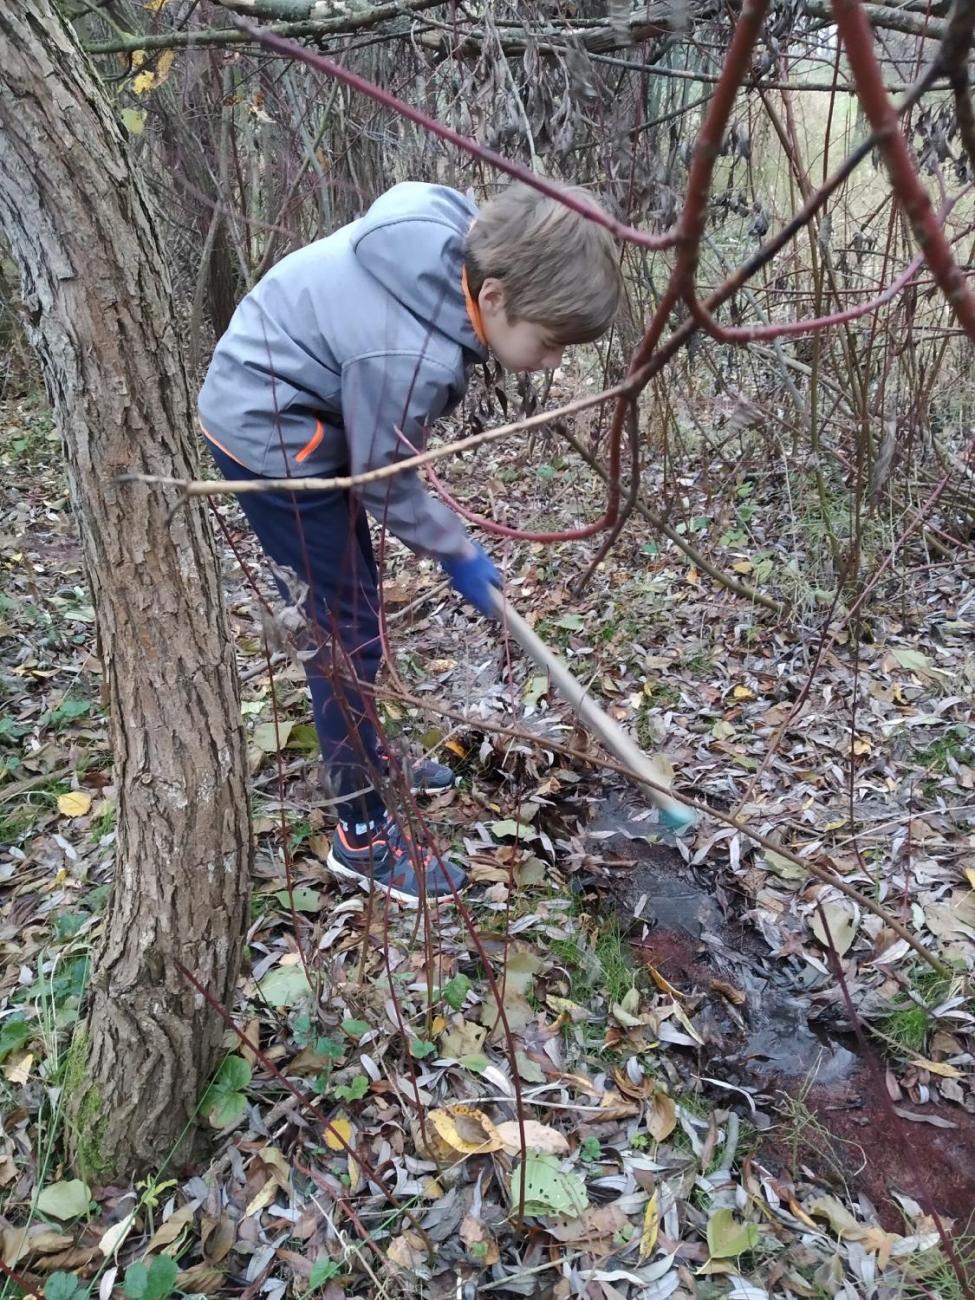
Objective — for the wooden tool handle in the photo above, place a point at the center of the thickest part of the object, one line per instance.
(592, 716)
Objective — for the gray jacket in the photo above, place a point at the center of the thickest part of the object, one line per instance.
(343, 342)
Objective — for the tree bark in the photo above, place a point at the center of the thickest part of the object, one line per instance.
(100, 314)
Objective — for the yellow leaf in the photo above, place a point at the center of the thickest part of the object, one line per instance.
(75, 804)
(438, 1026)
(457, 1131)
(338, 1134)
(155, 74)
(693, 577)
(264, 1197)
(937, 1067)
(970, 876)
(743, 693)
(742, 566)
(155, 5)
(651, 1226)
(455, 747)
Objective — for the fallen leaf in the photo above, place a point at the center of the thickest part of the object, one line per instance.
(65, 1200)
(110, 1240)
(728, 1237)
(75, 804)
(597, 1221)
(651, 1226)
(18, 1070)
(456, 1132)
(167, 1232)
(217, 1236)
(463, 1038)
(937, 1067)
(843, 920)
(548, 1188)
(406, 1252)
(338, 1134)
(38, 1239)
(481, 1246)
(284, 986)
(538, 1137)
(936, 1121)
(661, 1115)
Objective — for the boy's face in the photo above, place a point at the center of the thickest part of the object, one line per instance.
(524, 345)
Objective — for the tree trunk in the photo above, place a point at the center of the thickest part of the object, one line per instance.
(101, 316)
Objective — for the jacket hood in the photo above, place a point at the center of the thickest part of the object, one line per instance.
(412, 241)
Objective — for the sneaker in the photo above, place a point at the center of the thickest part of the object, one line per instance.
(393, 863)
(426, 777)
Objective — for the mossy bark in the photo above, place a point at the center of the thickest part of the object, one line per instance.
(100, 314)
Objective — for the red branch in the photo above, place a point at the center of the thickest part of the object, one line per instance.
(854, 28)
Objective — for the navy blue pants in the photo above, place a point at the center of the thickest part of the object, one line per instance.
(324, 538)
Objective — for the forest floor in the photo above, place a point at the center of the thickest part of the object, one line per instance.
(735, 1081)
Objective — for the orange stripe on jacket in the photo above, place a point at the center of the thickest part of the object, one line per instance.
(210, 438)
(305, 452)
(473, 310)
(312, 443)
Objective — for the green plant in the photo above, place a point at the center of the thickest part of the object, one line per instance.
(64, 1286)
(590, 1148)
(323, 1270)
(156, 1282)
(223, 1102)
(353, 1091)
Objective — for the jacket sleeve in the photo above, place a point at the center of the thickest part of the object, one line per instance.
(383, 392)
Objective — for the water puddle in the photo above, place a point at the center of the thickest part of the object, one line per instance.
(674, 917)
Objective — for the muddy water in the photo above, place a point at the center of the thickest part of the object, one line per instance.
(676, 922)
(688, 926)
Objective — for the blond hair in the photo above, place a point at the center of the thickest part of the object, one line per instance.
(557, 268)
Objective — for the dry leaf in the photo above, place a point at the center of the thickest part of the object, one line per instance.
(651, 1226)
(75, 804)
(18, 1070)
(406, 1252)
(596, 1221)
(168, 1232)
(110, 1241)
(38, 1239)
(538, 1137)
(338, 1134)
(937, 1067)
(217, 1237)
(843, 920)
(661, 1116)
(456, 1132)
(482, 1249)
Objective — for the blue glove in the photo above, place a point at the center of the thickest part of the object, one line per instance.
(473, 575)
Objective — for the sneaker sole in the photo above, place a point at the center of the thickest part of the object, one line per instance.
(431, 790)
(368, 886)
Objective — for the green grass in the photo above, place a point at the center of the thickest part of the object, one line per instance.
(934, 1274)
(908, 1025)
(955, 745)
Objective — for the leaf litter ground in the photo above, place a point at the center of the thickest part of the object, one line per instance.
(698, 1116)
